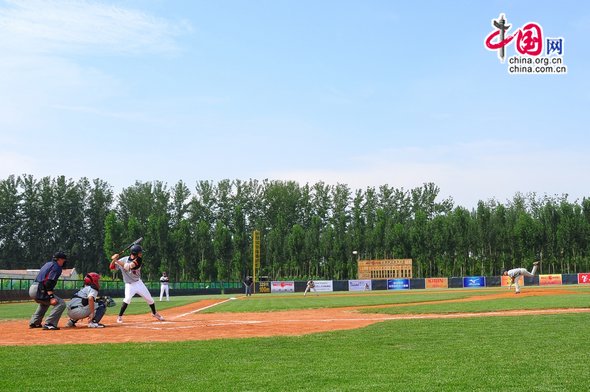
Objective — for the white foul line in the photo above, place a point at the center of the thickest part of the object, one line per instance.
(224, 323)
(198, 310)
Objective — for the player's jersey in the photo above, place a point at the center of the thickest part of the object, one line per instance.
(87, 291)
(51, 271)
(164, 280)
(131, 276)
(81, 297)
(516, 272)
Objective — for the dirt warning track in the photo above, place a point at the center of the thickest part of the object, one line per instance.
(188, 323)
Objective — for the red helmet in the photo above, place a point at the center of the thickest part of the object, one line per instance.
(92, 279)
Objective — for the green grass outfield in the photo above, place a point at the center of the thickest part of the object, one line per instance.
(524, 353)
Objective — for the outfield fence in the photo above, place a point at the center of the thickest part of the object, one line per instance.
(13, 289)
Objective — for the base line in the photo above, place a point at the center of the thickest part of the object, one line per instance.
(198, 310)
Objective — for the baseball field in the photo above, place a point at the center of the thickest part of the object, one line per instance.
(419, 340)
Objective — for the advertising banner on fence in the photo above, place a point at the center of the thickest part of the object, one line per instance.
(506, 281)
(437, 283)
(549, 280)
(323, 285)
(360, 285)
(474, 281)
(264, 287)
(282, 287)
(398, 284)
(584, 278)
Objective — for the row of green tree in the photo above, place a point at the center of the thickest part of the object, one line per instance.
(316, 230)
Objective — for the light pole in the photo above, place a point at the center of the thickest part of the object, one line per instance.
(358, 258)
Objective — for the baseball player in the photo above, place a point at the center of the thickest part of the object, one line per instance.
(515, 273)
(42, 292)
(130, 268)
(248, 283)
(84, 303)
(164, 280)
(310, 286)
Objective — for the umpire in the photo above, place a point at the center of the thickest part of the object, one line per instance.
(42, 292)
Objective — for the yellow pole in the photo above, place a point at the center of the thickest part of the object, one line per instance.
(255, 256)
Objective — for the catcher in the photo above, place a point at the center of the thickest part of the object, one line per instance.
(87, 304)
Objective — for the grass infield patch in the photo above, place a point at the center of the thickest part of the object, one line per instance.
(269, 303)
(491, 305)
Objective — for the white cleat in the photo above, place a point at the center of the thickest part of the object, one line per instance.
(157, 316)
(120, 319)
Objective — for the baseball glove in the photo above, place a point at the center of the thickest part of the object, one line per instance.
(107, 300)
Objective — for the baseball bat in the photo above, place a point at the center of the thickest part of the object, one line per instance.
(137, 241)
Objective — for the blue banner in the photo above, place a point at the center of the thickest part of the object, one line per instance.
(474, 281)
(398, 284)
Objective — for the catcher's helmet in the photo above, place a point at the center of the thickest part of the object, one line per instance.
(92, 279)
(60, 255)
(135, 249)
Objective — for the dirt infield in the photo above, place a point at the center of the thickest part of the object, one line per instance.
(187, 323)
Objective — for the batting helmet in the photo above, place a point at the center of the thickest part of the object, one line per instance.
(92, 279)
(135, 249)
(60, 255)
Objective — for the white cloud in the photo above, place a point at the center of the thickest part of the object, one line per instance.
(15, 164)
(466, 172)
(66, 26)
(33, 86)
(41, 69)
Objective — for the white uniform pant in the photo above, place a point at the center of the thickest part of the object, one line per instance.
(523, 272)
(137, 288)
(164, 289)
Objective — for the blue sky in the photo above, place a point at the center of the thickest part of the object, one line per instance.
(363, 93)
